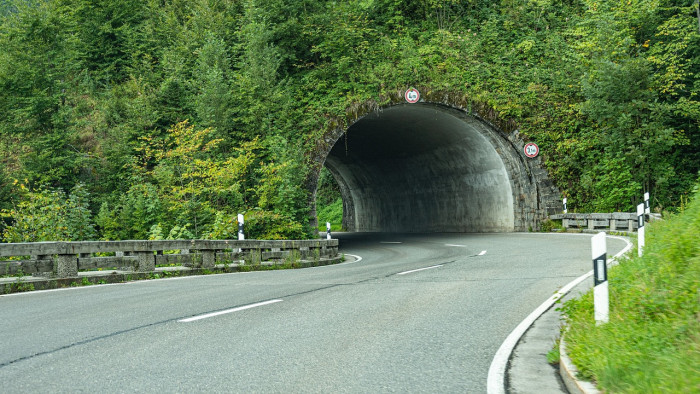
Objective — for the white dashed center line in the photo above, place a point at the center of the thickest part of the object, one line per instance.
(420, 269)
(240, 308)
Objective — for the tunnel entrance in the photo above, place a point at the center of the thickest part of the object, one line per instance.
(433, 168)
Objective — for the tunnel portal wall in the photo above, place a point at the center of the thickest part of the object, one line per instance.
(434, 167)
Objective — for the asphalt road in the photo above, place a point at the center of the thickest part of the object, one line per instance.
(375, 325)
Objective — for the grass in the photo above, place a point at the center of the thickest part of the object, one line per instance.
(332, 213)
(652, 341)
(548, 226)
(553, 355)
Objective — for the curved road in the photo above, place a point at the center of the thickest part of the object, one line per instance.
(418, 313)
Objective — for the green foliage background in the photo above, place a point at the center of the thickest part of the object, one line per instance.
(95, 93)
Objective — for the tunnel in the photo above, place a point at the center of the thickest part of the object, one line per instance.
(428, 167)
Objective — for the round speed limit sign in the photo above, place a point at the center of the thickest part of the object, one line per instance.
(532, 150)
(412, 95)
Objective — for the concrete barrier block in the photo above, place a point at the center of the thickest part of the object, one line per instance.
(108, 263)
(208, 259)
(146, 261)
(578, 223)
(598, 223)
(66, 266)
(254, 257)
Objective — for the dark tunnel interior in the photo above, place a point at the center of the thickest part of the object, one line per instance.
(424, 168)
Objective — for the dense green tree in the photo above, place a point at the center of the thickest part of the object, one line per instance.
(36, 65)
(132, 215)
(213, 99)
(5, 198)
(110, 33)
(97, 93)
(639, 74)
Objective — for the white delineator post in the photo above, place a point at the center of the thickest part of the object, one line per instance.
(647, 206)
(565, 210)
(600, 279)
(640, 229)
(328, 230)
(241, 234)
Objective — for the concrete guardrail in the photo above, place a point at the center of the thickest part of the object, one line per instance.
(66, 259)
(616, 221)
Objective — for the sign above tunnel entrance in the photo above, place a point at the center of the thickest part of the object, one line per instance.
(532, 150)
(412, 95)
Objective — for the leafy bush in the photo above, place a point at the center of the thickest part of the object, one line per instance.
(5, 191)
(327, 191)
(133, 216)
(48, 215)
(225, 226)
(261, 224)
(332, 213)
(548, 225)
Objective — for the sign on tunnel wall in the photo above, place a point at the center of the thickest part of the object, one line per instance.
(412, 95)
(532, 150)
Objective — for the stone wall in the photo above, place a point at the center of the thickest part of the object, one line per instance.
(65, 259)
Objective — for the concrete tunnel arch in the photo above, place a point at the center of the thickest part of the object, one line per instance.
(432, 167)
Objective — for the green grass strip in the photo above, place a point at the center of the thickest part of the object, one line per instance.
(652, 342)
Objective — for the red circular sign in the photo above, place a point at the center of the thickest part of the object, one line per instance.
(532, 150)
(412, 95)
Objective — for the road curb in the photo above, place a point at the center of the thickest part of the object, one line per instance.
(567, 369)
(568, 372)
(497, 371)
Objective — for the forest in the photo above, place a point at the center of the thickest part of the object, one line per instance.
(163, 119)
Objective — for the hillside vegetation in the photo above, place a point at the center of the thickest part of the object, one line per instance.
(652, 342)
(163, 119)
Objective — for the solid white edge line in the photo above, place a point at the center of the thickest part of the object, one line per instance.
(240, 308)
(457, 246)
(358, 259)
(419, 269)
(497, 370)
